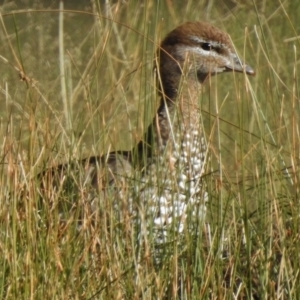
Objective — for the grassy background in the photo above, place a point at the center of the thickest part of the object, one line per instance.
(251, 246)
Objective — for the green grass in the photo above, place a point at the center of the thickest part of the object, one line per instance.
(249, 246)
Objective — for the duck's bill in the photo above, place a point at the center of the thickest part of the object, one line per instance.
(238, 65)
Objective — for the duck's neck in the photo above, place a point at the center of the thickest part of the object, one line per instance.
(177, 114)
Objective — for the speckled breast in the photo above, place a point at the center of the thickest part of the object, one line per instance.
(174, 188)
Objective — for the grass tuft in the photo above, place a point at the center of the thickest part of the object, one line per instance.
(62, 242)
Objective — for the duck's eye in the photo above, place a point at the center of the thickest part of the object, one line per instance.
(206, 46)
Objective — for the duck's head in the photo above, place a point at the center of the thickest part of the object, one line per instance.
(197, 49)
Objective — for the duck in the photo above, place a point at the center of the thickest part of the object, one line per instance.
(171, 157)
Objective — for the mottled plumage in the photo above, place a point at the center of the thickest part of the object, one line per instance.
(175, 141)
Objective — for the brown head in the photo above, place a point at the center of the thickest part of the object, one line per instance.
(199, 49)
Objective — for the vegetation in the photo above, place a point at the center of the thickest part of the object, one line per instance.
(87, 87)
